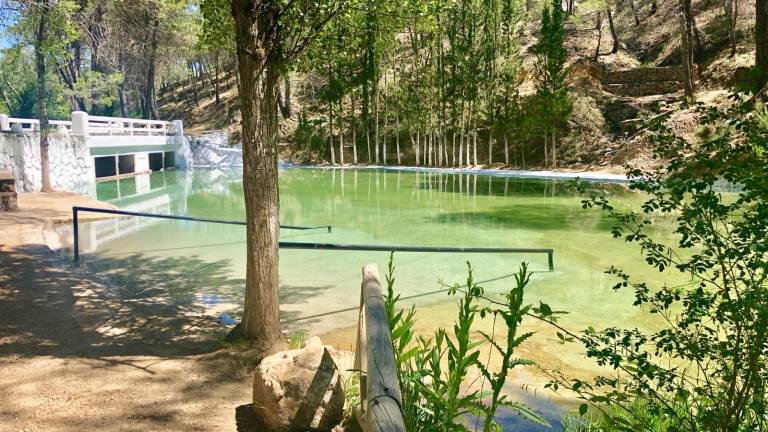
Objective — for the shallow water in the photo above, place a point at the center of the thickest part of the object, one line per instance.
(201, 266)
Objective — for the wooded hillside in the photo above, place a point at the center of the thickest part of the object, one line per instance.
(511, 82)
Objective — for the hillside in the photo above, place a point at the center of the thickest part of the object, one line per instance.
(611, 96)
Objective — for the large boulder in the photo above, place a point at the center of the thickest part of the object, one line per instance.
(299, 390)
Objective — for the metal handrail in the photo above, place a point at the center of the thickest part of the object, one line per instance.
(318, 246)
(77, 209)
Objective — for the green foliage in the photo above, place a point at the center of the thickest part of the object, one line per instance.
(18, 86)
(705, 367)
(297, 339)
(217, 30)
(309, 135)
(616, 419)
(551, 74)
(433, 371)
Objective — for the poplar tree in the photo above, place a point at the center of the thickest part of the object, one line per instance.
(551, 75)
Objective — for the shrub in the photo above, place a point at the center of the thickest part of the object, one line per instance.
(705, 368)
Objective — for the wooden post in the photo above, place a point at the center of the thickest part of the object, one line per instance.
(375, 358)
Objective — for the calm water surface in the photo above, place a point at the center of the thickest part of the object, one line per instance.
(201, 266)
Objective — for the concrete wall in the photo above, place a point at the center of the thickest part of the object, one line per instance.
(71, 165)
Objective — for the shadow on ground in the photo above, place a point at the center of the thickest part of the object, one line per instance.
(75, 354)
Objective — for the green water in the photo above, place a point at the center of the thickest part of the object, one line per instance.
(201, 265)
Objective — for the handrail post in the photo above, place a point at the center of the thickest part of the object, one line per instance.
(76, 235)
(80, 123)
(551, 260)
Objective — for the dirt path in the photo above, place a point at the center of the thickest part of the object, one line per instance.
(75, 356)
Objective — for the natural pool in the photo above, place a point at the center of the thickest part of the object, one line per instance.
(200, 266)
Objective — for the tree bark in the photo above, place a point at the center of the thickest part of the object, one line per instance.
(634, 12)
(149, 110)
(599, 27)
(259, 61)
(216, 78)
(761, 39)
(686, 49)
(42, 111)
(614, 35)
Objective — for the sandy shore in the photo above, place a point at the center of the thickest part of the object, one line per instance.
(75, 356)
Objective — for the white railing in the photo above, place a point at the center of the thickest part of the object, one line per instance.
(84, 124)
(98, 125)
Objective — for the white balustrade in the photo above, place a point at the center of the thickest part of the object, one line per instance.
(84, 124)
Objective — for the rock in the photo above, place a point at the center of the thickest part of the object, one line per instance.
(299, 389)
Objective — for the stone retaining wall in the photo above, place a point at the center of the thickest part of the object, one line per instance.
(644, 75)
(70, 163)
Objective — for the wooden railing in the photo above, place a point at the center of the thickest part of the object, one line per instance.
(380, 395)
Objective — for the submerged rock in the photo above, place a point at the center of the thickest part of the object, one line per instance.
(299, 389)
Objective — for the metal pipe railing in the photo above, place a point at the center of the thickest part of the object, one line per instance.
(317, 246)
(78, 209)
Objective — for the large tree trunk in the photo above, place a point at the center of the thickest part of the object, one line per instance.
(42, 111)
(761, 39)
(258, 65)
(686, 49)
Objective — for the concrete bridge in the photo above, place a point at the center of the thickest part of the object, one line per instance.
(87, 147)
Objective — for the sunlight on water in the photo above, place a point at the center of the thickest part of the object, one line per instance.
(201, 266)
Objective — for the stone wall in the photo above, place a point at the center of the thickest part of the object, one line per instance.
(644, 75)
(70, 163)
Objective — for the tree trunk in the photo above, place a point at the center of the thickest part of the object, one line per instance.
(490, 151)
(216, 78)
(599, 27)
(330, 133)
(287, 107)
(761, 39)
(384, 142)
(354, 128)
(42, 111)
(554, 147)
(634, 12)
(397, 136)
(149, 110)
(506, 150)
(376, 126)
(258, 48)
(341, 133)
(614, 35)
(686, 49)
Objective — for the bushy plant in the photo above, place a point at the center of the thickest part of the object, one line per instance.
(705, 367)
(433, 372)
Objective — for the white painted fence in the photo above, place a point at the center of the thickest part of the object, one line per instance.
(85, 124)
